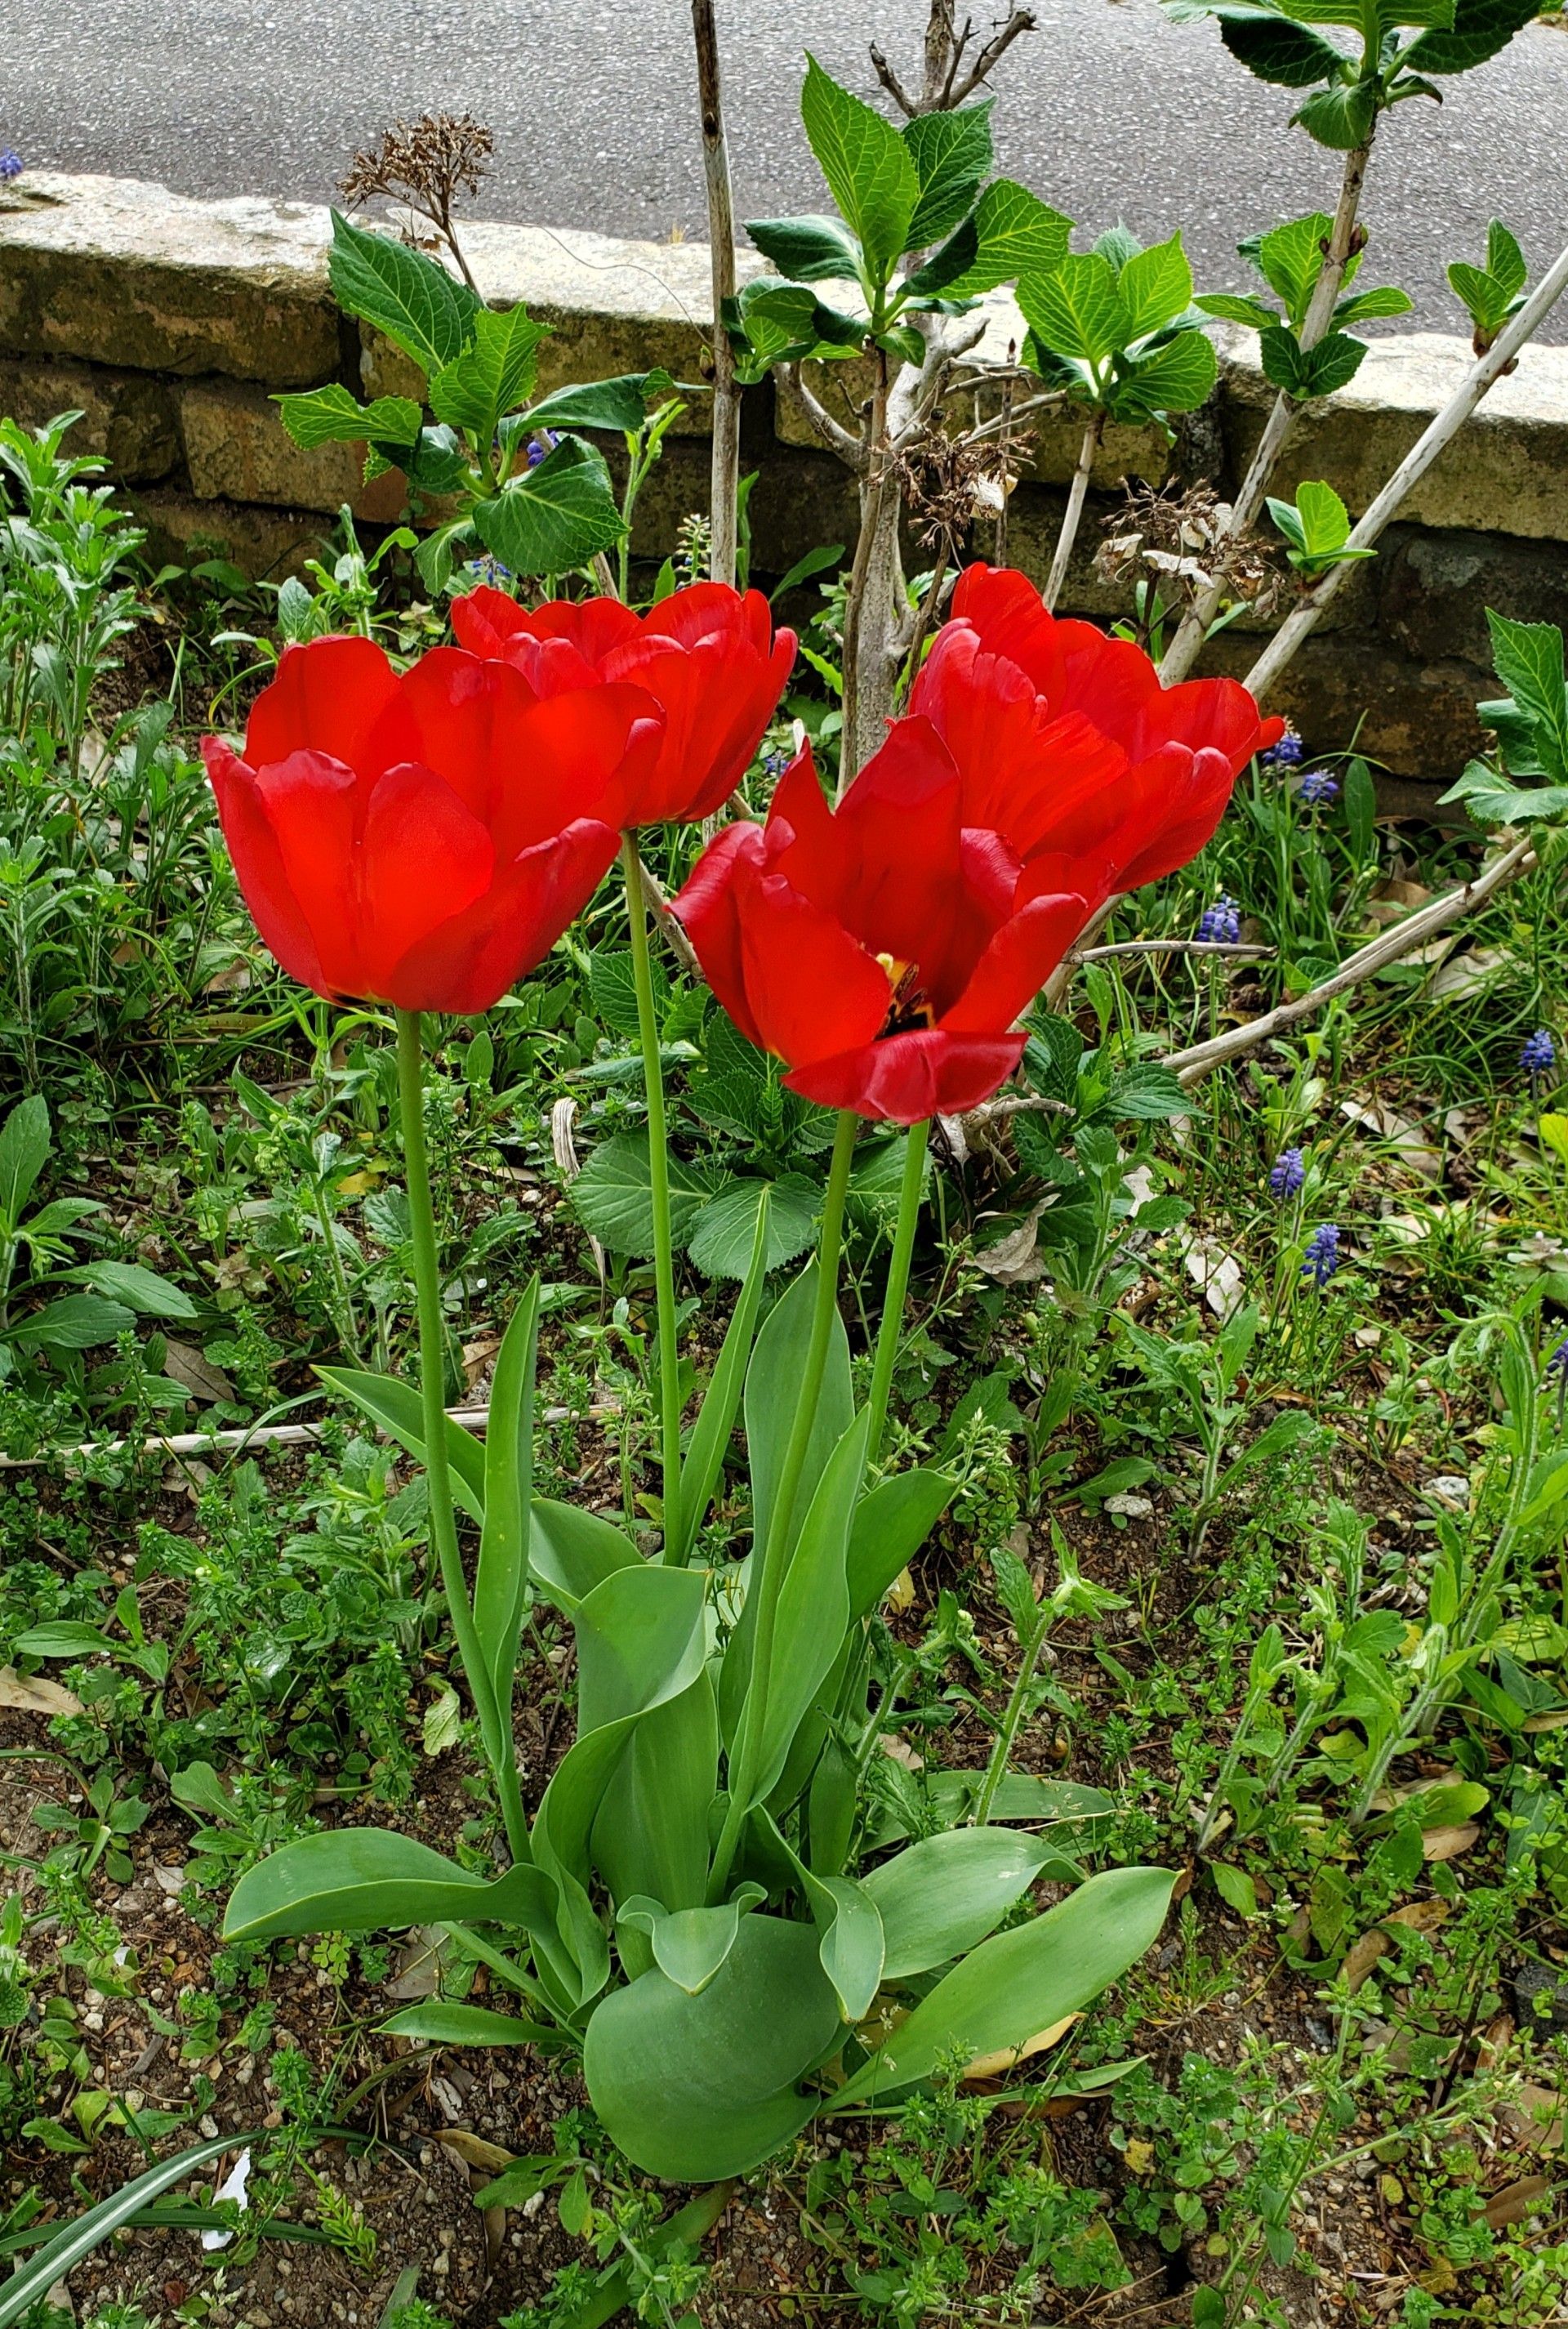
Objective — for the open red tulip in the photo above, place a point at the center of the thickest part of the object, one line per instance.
(880, 949)
(422, 839)
(1067, 743)
(708, 656)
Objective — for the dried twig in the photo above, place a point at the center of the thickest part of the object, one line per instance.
(1076, 495)
(270, 1435)
(943, 89)
(725, 473)
(426, 164)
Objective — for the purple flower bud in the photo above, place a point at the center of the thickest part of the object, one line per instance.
(1289, 1177)
(1221, 923)
(1286, 754)
(10, 165)
(541, 447)
(1323, 1255)
(1557, 1364)
(1539, 1054)
(1317, 788)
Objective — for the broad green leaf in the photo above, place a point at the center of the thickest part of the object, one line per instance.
(612, 1196)
(501, 1580)
(850, 1945)
(651, 1834)
(495, 373)
(870, 172)
(1505, 260)
(1371, 307)
(24, 1144)
(773, 1386)
(694, 2088)
(691, 1945)
(555, 518)
(1528, 660)
(1175, 378)
(571, 1551)
(1021, 1981)
(77, 1322)
(941, 1896)
(618, 406)
(1236, 1888)
(1155, 287)
(1237, 308)
(436, 462)
(952, 154)
(710, 1434)
(143, 1289)
(725, 1232)
(1480, 29)
(1286, 55)
(1290, 258)
(891, 1524)
(1075, 311)
(359, 1880)
(1010, 234)
(808, 249)
(1325, 520)
(951, 1797)
(29, 2285)
(64, 1637)
(330, 416)
(396, 1409)
(1340, 118)
(425, 311)
(1482, 295)
(440, 2024)
(1310, 373)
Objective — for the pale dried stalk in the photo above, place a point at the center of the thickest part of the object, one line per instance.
(270, 1435)
(1193, 629)
(1413, 468)
(725, 472)
(1390, 947)
(1078, 493)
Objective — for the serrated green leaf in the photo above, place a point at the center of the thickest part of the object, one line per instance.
(1290, 259)
(1009, 234)
(1505, 260)
(330, 416)
(1480, 29)
(618, 406)
(552, 519)
(422, 309)
(723, 1232)
(1528, 658)
(1325, 520)
(495, 373)
(1287, 55)
(1075, 311)
(869, 170)
(1175, 378)
(1237, 308)
(952, 154)
(1341, 117)
(811, 249)
(1372, 307)
(1155, 286)
(611, 1198)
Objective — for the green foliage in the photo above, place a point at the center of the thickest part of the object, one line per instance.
(1116, 327)
(1531, 726)
(1494, 293)
(1291, 259)
(1317, 529)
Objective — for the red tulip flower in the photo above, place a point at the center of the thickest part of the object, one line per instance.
(880, 949)
(707, 655)
(423, 839)
(1068, 744)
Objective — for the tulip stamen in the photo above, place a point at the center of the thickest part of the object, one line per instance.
(910, 1005)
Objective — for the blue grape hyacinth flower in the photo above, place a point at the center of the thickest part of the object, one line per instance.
(1323, 1254)
(1287, 1176)
(1221, 923)
(1286, 754)
(10, 165)
(1539, 1055)
(1317, 788)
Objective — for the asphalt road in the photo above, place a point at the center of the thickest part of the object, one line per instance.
(1109, 111)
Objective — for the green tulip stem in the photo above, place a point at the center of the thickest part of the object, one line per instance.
(892, 1326)
(659, 1191)
(494, 1723)
(770, 1560)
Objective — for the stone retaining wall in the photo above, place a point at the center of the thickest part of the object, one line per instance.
(169, 322)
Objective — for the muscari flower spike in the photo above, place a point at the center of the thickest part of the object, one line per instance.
(1539, 1054)
(1557, 1364)
(1317, 788)
(1221, 923)
(1323, 1256)
(1288, 1177)
(10, 165)
(1286, 754)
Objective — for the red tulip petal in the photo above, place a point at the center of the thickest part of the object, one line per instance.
(813, 990)
(258, 867)
(804, 843)
(905, 1079)
(1016, 965)
(329, 697)
(467, 716)
(1196, 802)
(467, 963)
(898, 830)
(703, 610)
(586, 754)
(484, 619)
(707, 910)
(313, 805)
(425, 857)
(1011, 620)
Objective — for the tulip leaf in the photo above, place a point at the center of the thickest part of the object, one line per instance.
(552, 519)
(422, 309)
(869, 170)
(814, 1610)
(710, 1434)
(357, 1879)
(1021, 1981)
(890, 1525)
(772, 1393)
(691, 1945)
(395, 1407)
(695, 2089)
(571, 1551)
(945, 1894)
(439, 2024)
(501, 1581)
(651, 1834)
(494, 372)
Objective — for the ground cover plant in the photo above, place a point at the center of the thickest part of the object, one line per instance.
(783, 1498)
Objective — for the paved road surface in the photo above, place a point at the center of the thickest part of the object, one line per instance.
(1109, 111)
